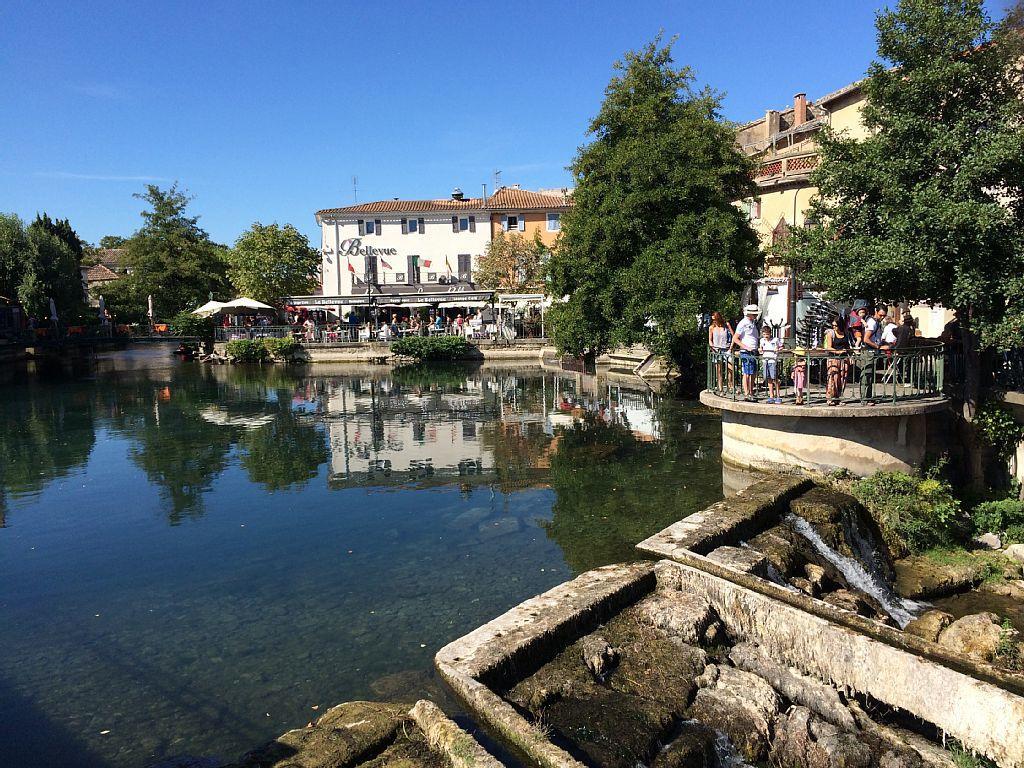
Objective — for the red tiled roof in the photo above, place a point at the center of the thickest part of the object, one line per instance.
(109, 257)
(99, 273)
(408, 206)
(513, 199)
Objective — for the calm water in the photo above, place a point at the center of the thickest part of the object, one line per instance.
(194, 559)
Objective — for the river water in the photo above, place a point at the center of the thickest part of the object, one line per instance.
(195, 559)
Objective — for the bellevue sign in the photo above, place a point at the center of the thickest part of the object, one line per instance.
(354, 247)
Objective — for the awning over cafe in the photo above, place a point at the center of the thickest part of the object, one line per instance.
(397, 298)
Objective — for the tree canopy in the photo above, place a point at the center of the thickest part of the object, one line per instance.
(269, 262)
(40, 262)
(929, 205)
(512, 263)
(653, 238)
(170, 258)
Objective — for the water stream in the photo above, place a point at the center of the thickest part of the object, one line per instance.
(860, 578)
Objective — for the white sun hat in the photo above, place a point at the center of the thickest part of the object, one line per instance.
(751, 309)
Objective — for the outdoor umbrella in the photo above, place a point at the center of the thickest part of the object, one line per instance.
(209, 308)
(103, 307)
(53, 310)
(151, 307)
(245, 306)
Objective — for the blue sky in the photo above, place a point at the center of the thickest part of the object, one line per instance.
(266, 110)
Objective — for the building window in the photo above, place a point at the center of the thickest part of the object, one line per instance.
(465, 267)
(554, 222)
(513, 223)
(369, 227)
(410, 226)
(463, 224)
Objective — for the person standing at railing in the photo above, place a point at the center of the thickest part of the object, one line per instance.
(869, 354)
(769, 349)
(839, 364)
(718, 341)
(745, 339)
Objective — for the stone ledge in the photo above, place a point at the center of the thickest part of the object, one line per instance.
(902, 408)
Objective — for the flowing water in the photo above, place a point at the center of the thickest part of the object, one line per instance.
(859, 578)
(194, 559)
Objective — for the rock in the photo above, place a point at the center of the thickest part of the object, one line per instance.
(680, 615)
(345, 735)
(805, 741)
(977, 635)
(804, 585)
(1013, 588)
(1015, 552)
(470, 518)
(846, 600)
(779, 546)
(919, 577)
(500, 527)
(988, 540)
(715, 634)
(739, 704)
(741, 559)
(694, 747)
(798, 688)
(816, 575)
(598, 655)
(929, 625)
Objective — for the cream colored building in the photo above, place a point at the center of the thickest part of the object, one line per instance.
(784, 145)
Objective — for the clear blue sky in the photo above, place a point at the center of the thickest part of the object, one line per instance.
(266, 110)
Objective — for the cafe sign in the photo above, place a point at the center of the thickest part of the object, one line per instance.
(353, 246)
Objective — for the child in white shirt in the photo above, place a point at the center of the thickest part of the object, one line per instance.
(769, 349)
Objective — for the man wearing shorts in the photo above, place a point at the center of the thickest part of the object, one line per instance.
(745, 339)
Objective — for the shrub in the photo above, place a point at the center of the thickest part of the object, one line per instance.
(187, 324)
(246, 350)
(432, 348)
(282, 349)
(998, 516)
(1014, 534)
(997, 426)
(913, 514)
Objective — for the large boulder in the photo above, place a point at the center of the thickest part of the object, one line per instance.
(739, 704)
(929, 625)
(922, 577)
(1015, 552)
(683, 616)
(805, 741)
(977, 635)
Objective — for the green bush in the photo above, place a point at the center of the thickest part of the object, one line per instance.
(246, 350)
(1014, 534)
(998, 516)
(283, 348)
(914, 514)
(187, 324)
(997, 426)
(432, 348)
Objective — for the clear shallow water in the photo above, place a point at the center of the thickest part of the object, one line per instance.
(193, 558)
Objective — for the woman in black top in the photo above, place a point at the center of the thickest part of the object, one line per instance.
(839, 366)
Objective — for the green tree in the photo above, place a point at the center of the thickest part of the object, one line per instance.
(113, 241)
(52, 269)
(653, 238)
(512, 263)
(929, 206)
(269, 262)
(170, 258)
(14, 254)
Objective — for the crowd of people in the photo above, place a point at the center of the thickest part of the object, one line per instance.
(852, 344)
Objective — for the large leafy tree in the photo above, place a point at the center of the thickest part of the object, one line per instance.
(14, 254)
(929, 206)
(269, 262)
(511, 262)
(51, 268)
(653, 238)
(170, 258)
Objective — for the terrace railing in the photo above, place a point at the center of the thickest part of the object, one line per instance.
(821, 377)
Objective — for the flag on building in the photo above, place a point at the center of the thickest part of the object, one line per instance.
(426, 263)
(350, 267)
(386, 265)
(448, 265)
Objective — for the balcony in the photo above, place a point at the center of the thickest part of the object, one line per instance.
(781, 170)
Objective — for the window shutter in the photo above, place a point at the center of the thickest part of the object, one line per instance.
(362, 227)
(504, 223)
(423, 229)
(376, 226)
(405, 226)
(472, 223)
(455, 223)
(522, 223)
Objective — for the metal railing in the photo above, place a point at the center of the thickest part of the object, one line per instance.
(347, 334)
(823, 377)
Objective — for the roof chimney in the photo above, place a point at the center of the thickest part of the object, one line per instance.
(799, 109)
(771, 124)
(457, 194)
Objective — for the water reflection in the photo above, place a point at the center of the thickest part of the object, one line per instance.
(224, 547)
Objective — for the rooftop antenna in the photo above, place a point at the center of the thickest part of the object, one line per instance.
(355, 189)
(497, 179)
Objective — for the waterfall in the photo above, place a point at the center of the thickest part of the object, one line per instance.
(902, 611)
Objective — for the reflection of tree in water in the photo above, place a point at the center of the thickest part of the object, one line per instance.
(47, 433)
(613, 490)
(285, 453)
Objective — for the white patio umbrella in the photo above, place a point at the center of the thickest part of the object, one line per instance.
(151, 307)
(209, 308)
(243, 305)
(53, 311)
(102, 307)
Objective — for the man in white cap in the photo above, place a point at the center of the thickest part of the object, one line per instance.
(745, 338)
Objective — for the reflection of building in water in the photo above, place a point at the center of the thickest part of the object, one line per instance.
(381, 432)
(575, 395)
